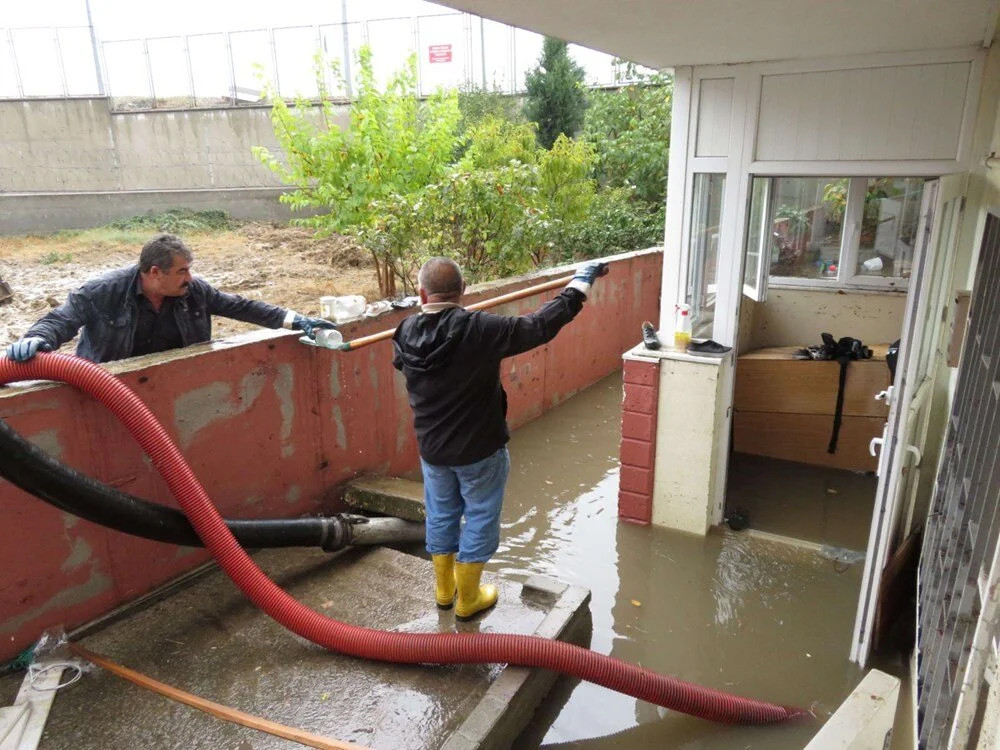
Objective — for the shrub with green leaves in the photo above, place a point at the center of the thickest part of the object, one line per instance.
(477, 103)
(630, 131)
(395, 145)
(616, 223)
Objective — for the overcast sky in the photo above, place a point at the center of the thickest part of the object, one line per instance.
(124, 19)
(129, 72)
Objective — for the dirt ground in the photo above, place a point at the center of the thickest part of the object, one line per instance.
(287, 266)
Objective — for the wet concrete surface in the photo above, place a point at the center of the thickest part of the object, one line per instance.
(827, 506)
(729, 611)
(209, 640)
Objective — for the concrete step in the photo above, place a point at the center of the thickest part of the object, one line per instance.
(207, 639)
(389, 496)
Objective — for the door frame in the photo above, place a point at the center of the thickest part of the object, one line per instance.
(925, 290)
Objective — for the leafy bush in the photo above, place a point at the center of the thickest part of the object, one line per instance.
(630, 131)
(395, 145)
(556, 98)
(616, 223)
(477, 104)
(406, 182)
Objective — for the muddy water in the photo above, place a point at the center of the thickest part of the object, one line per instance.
(729, 612)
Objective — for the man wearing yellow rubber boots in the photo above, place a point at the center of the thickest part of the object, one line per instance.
(451, 360)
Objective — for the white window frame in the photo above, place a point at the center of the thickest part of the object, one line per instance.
(850, 242)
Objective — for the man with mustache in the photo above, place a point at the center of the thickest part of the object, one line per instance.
(153, 306)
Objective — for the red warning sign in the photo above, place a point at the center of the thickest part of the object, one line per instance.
(439, 53)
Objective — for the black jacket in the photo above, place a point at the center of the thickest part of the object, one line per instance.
(105, 308)
(451, 361)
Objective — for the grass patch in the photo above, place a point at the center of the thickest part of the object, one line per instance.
(177, 221)
(137, 230)
(55, 257)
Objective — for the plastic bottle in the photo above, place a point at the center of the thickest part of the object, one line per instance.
(329, 338)
(682, 333)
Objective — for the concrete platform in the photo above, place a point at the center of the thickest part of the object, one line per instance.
(389, 496)
(209, 640)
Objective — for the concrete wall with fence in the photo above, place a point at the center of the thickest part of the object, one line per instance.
(73, 163)
(271, 428)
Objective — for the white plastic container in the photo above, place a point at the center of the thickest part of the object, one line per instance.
(341, 309)
(329, 338)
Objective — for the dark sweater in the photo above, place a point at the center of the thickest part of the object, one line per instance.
(451, 361)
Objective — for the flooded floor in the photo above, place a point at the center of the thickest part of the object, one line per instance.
(827, 506)
(728, 611)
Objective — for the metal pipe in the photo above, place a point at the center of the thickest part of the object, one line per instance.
(149, 71)
(17, 69)
(190, 71)
(62, 63)
(350, 346)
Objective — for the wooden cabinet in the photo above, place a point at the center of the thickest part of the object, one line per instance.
(784, 407)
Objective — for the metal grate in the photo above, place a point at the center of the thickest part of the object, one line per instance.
(964, 521)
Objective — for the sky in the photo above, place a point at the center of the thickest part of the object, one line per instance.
(509, 54)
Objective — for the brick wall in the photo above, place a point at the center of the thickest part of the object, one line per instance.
(638, 448)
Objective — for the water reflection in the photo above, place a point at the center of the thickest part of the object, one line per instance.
(726, 611)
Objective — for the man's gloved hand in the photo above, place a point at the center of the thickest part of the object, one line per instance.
(308, 326)
(26, 348)
(586, 275)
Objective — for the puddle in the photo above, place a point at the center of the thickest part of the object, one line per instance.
(733, 612)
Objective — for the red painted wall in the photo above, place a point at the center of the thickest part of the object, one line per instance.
(271, 428)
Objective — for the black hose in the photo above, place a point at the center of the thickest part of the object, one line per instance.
(29, 467)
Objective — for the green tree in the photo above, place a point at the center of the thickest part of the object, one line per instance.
(395, 145)
(556, 97)
(630, 131)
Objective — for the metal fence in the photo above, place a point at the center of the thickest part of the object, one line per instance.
(230, 67)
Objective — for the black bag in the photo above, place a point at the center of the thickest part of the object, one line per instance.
(843, 351)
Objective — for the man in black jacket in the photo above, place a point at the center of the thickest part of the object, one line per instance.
(451, 360)
(150, 307)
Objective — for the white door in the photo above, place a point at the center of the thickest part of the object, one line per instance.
(899, 456)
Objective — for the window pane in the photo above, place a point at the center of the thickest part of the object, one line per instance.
(807, 218)
(703, 251)
(756, 233)
(889, 226)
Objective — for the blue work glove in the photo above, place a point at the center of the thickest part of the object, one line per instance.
(586, 275)
(26, 348)
(309, 326)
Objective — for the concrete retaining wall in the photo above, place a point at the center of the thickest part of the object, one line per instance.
(271, 428)
(72, 163)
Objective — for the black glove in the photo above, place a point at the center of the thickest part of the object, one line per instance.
(308, 326)
(26, 348)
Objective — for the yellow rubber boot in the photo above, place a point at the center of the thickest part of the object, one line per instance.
(444, 580)
(472, 598)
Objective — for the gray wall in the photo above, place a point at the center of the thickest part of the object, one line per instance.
(72, 163)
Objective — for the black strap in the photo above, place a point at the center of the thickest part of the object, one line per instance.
(838, 413)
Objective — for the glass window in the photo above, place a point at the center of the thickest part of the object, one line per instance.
(807, 224)
(756, 235)
(832, 231)
(703, 251)
(889, 226)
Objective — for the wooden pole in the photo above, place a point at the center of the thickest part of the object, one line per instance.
(350, 346)
(210, 707)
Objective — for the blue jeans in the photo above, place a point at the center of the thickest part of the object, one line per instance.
(474, 491)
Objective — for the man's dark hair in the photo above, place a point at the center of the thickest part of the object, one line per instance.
(441, 277)
(160, 252)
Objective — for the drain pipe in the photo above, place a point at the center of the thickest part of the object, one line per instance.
(27, 466)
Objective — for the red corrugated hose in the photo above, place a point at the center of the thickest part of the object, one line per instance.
(366, 643)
